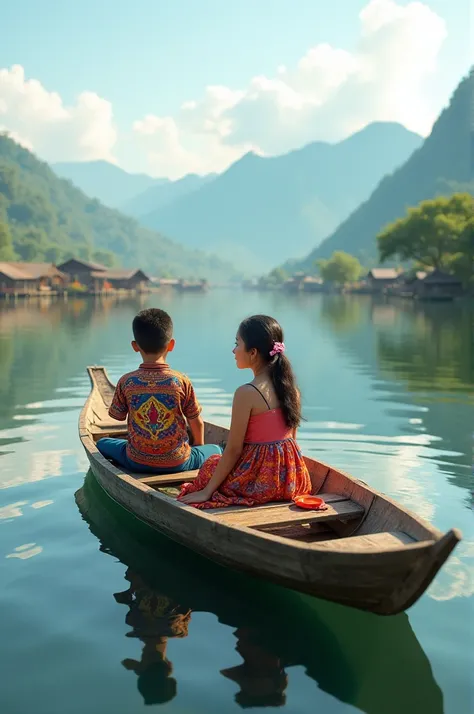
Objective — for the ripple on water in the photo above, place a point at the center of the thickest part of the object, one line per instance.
(391, 405)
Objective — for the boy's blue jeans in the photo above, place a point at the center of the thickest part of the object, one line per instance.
(116, 449)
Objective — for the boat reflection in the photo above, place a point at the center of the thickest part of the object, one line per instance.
(375, 664)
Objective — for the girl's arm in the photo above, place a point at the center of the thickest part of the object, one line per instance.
(241, 409)
(299, 404)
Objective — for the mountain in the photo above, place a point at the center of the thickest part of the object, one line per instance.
(159, 195)
(48, 219)
(444, 164)
(110, 184)
(263, 209)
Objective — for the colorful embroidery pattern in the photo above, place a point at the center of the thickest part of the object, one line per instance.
(158, 401)
(154, 418)
(264, 472)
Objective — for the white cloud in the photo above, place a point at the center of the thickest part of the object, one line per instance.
(193, 145)
(193, 142)
(39, 120)
(328, 95)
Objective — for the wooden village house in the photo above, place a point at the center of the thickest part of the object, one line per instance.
(438, 285)
(294, 284)
(123, 279)
(311, 284)
(422, 285)
(30, 278)
(378, 279)
(411, 282)
(301, 282)
(80, 271)
(98, 278)
(407, 283)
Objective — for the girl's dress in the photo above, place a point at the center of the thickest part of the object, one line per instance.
(270, 468)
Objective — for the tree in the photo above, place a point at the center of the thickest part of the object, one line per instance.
(105, 257)
(462, 263)
(6, 247)
(340, 268)
(8, 181)
(431, 233)
(277, 276)
(34, 210)
(31, 244)
(53, 254)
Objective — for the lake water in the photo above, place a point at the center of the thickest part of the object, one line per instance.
(388, 396)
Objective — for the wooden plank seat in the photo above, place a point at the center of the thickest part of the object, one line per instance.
(185, 476)
(115, 432)
(286, 514)
(327, 497)
(166, 479)
(331, 497)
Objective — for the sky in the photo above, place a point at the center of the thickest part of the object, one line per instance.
(171, 87)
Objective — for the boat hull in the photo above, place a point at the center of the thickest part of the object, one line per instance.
(342, 577)
(381, 580)
(321, 638)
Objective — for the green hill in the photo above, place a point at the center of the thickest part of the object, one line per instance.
(443, 165)
(49, 219)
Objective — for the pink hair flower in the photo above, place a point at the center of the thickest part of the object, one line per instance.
(278, 349)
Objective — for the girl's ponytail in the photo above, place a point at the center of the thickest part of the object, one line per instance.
(264, 334)
(284, 383)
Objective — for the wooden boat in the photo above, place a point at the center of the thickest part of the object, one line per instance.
(319, 638)
(364, 550)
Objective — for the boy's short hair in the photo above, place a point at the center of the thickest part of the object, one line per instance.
(152, 330)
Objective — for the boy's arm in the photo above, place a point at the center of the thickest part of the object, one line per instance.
(119, 407)
(192, 412)
(196, 427)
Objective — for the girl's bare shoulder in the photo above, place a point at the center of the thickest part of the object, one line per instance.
(245, 391)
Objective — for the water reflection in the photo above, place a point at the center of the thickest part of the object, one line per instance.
(423, 353)
(153, 618)
(375, 664)
(261, 676)
(25, 551)
(431, 347)
(388, 394)
(342, 312)
(42, 346)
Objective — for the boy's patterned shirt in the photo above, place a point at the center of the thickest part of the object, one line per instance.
(157, 401)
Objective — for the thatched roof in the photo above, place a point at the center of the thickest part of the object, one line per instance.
(30, 271)
(383, 273)
(439, 276)
(89, 266)
(120, 274)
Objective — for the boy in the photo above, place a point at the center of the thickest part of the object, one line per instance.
(160, 404)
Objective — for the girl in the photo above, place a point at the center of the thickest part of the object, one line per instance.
(261, 461)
